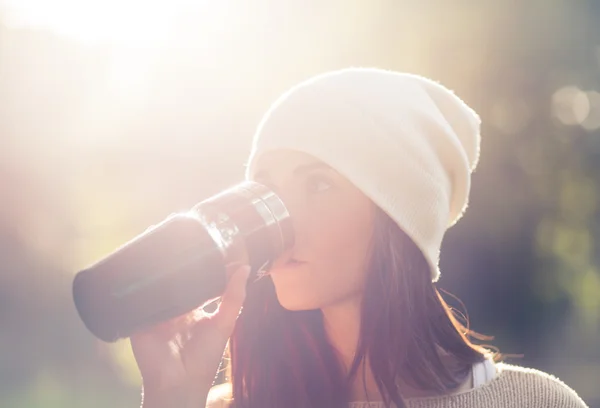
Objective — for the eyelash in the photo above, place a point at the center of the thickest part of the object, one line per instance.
(313, 180)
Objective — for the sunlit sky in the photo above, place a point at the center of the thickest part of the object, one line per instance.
(135, 29)
(126, 22)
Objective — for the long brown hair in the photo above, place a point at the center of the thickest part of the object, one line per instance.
(282, 358)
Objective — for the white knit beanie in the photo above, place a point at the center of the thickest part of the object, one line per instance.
(407, 142)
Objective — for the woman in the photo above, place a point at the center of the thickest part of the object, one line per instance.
(374, 166)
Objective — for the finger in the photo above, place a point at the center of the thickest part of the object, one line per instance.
(166, 330)
(232, 301)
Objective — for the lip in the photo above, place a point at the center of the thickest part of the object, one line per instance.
(285, 259)
(289, 263)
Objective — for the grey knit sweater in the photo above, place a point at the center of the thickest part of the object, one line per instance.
(512, 387)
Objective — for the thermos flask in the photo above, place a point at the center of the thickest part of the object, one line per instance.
(180, 264)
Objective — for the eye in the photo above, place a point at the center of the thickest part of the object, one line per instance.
(318, 184)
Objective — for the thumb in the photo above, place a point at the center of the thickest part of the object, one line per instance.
(232, 301)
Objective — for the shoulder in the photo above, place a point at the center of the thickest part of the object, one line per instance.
(545, 389)
(219, 396)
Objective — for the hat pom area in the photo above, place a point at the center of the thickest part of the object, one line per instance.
(465, 126)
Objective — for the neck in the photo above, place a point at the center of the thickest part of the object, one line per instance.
(342, 325)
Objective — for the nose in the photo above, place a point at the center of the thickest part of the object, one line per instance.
(296, 207)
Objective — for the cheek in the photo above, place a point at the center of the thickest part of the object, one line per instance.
(335, 242)
(339, 238)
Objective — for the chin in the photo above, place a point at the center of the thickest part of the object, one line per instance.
(297, 302)
(294, 298)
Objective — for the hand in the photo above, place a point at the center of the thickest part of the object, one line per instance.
(179, 359)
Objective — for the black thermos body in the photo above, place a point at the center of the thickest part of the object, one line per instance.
(180, 264)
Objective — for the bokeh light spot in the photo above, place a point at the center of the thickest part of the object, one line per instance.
(592, 121)
(570, 105)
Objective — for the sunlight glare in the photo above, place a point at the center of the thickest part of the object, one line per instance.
(117, 22)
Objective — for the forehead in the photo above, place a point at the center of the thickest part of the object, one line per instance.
(284, 162)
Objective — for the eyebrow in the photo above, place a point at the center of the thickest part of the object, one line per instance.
(304, 168)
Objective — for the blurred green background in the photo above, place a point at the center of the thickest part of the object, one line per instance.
(116, 114)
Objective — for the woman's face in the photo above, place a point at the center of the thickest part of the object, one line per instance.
(333, 224)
